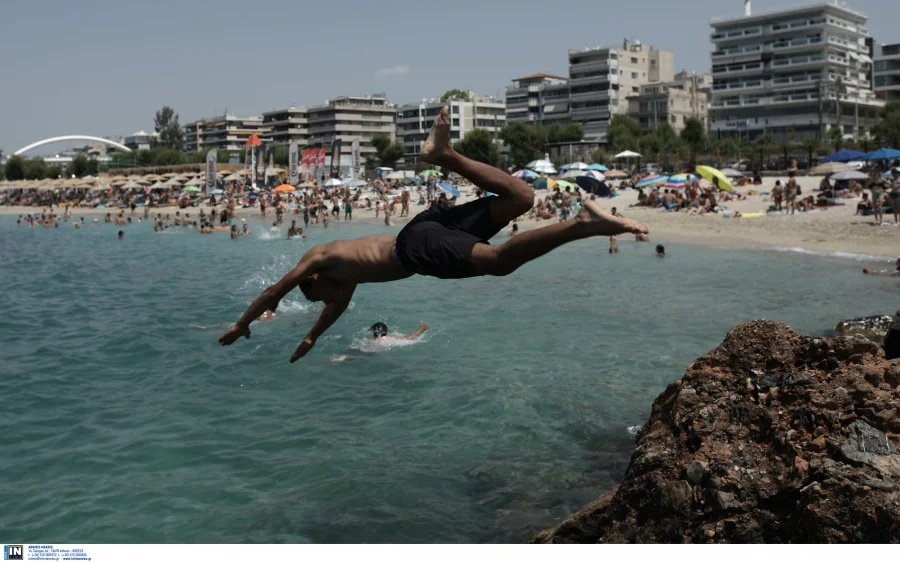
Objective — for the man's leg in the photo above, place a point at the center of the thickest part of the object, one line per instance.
(526, 246)
(515, 197)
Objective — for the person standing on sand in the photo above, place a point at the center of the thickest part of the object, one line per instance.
(877, 191)
(894, 197)
(442, 242)
(790, 195)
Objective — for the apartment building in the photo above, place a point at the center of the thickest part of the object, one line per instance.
(539, 99)
(287, 125)
(601, 79)
(225, 132)
(478, 112)
(672, 102)
(792, 72)
(887, 72)
(351, 118)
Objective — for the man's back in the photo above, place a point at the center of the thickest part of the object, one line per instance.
(370, 259)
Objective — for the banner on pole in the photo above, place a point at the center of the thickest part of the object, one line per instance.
(211, 161)
(335, 170)
(293, 163)
(354, 152)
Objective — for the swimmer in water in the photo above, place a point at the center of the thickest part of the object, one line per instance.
(380, 333)
(884, 272)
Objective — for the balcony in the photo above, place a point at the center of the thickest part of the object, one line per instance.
(802, 43)
(736, 34)
(748, 51)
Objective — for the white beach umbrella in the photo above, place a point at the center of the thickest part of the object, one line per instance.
(628, 154)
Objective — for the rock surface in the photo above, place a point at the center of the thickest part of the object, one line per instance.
(772, 437)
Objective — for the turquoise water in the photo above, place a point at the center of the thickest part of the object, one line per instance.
(125, 421)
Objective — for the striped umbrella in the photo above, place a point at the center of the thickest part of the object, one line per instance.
(651, 181)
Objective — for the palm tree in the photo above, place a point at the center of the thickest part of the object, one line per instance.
(764, 142)
(810, 146)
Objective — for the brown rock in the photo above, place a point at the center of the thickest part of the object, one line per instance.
(752, 485)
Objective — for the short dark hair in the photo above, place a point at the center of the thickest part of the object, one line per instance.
(305, 287)
(379, 329)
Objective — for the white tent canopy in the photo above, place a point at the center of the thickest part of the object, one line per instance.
(628, 154)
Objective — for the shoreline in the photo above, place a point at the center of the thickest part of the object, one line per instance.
(835, 231)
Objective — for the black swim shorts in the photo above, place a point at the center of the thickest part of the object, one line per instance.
(438, 242)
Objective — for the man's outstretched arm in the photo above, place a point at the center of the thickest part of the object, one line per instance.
(330, 314)
(269, 299)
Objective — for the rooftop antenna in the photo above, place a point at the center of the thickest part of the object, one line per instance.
(748, 11)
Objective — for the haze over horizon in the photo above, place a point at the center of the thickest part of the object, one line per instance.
(104, 67)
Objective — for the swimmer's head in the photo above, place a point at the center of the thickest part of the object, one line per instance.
(660, 250)
(379, 330)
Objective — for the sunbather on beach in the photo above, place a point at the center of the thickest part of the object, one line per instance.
(443, 242)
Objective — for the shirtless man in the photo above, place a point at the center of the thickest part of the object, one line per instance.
(443, 242)
(884, 272)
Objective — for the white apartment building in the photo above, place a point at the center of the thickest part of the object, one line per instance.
(141, 140)
(887, 72)
(414, 121)
(351, 118)
(671, 102)
(601, 80)
(287, 125)
(796, 71)
(538, 99)
(225, 132)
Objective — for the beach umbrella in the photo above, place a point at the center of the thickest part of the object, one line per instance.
(716, 177)
(575, 166)
(593, 174)
(849, 175)
(285, 188)
(132, 185)
(394, 176)
(190, 189)
(680, 180)
(448, 188)
(598, 168)
(253, 140)
(844, 156)
(563, 184)
(616, 174)
(572, 174)
(333, 182)
(542, 167)
(652, 180)
(628, 154)
(216, 192)
(430, 174)
(593, 186)
(883, 154)
(234, 177)
(525, 175)
(544, 182)
(829, 169)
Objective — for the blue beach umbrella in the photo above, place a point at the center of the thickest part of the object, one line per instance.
(883, 154)
(598, 168)
(844, 156)
(525, 175)
(594, 186)
(448, 188)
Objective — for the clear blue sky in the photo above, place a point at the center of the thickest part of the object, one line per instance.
(103, 67)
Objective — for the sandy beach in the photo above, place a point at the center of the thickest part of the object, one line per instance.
(833, 230)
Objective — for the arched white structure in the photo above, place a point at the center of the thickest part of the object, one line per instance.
(71, 138)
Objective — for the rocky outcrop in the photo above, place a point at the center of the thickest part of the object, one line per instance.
(772, 437)
(892, 339)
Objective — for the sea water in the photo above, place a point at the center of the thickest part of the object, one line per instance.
(125, 421)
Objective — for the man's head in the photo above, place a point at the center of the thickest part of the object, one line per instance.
(379, 330)
(660, 250)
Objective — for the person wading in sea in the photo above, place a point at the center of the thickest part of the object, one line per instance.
(443, 242)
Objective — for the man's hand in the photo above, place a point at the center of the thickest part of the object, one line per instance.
(233, 334)
(303, 349)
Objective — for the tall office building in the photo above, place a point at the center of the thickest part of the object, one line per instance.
(601, 80)
(479, 112)
(887, 72)
(792, 72)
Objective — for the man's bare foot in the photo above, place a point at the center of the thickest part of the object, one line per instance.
(438, 142)
(603, 223)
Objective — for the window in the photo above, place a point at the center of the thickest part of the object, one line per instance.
(634, 75)
(455, 110)
(634, 60)
(456, 121)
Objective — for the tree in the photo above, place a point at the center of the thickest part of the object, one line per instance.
(78, 166)
(887, 131)
(623, 133)
(53, 172)
(526, 142)
(479, 145)
(15, 168)
(764, 143)
(280, 154)
(2, 171)
(694, 136)
(455, 95)
(811, 146)
(35, 168)
(386, 152)
(724, 148)
(166, 124)
(835, 136)
(565, 133)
